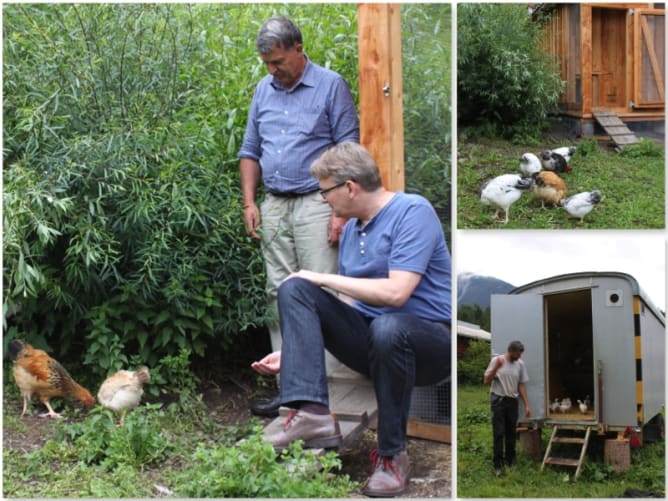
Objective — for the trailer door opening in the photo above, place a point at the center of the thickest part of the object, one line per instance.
(570, 356)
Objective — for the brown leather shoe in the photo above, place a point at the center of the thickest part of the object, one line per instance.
(316, 430)
(388, 475)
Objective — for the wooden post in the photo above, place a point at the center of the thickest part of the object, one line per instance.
(381, 89)
(586, 52)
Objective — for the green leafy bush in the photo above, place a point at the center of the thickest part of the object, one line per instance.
(123, 236)
(506, 84)
(474, 361)
(122, 222)
(97, 440)
(251, 470)
(427, 89)
(643, 148)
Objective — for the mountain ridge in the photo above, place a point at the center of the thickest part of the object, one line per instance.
(478, 289)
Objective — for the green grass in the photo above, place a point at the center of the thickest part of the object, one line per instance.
(631, 184)
(179, 449)
(525, 480)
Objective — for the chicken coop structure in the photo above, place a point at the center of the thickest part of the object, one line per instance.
(612, 58)
(593, 337)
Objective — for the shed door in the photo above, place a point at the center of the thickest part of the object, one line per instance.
(649, 42)
(521, 317)
(608, 59)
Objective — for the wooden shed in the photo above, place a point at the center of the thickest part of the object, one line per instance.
(593, 337)
(612, 58)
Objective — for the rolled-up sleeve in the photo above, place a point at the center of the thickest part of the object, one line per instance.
(251, 146)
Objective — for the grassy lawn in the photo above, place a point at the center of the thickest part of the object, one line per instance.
(631, 184)
(525, 480)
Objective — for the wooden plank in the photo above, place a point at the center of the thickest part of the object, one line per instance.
(381, 89)
(617, 130)
(625, 140)
(429, 431)
(345, 373)
(562, 461)
(608, 121)
(586, 54)
(614, 127)
(360, 402)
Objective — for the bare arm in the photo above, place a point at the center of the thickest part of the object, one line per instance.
(250, 179)
(490, 374)
(393, 291)
(523, 393)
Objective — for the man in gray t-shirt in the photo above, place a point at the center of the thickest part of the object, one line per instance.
(508, 377)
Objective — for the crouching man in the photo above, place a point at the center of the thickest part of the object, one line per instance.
(388, 319)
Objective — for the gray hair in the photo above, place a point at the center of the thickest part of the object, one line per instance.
(348, 161)
(277, 32)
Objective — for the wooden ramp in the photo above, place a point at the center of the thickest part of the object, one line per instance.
(351, 398)
(581, 442)
(614, 127)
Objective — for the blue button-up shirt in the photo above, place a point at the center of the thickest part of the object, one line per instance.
(288, 130)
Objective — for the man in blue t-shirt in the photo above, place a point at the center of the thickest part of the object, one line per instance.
(390, 318)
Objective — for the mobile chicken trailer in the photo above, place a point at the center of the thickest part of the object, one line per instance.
(593, 337)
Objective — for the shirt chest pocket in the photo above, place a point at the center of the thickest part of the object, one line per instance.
(314, 123)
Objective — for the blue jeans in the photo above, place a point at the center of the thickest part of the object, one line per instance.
(397, 351)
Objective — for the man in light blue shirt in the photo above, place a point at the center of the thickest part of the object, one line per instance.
(298, 111)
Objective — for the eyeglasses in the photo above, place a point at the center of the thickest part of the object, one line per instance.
(326, 192)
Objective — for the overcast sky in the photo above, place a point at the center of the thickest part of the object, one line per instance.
(520, 257)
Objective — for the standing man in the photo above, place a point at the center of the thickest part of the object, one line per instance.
(298, 111)
(508, 376)
(390, 320)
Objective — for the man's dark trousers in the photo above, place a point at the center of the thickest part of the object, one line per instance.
(504, 428)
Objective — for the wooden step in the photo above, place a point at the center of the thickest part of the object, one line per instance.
(620, 134)
(577, 441)
(568, 440)
(562, 461)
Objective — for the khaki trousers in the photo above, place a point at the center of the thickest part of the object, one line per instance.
(294, 237)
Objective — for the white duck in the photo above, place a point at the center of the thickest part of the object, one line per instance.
(530, 163)
(582, 406)
(502, 191)
(565, 405)
(554, 406)
(581, 204)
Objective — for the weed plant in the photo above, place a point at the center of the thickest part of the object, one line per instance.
(631, 185)
(476, 478)
(180, 450)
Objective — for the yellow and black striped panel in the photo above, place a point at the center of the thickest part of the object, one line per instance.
(638, 354)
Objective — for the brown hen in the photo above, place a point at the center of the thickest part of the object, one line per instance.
(36, 373)
(548, 187)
